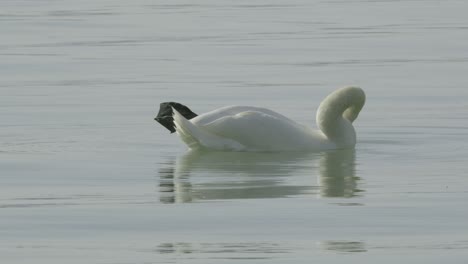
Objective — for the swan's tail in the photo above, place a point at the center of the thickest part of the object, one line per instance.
(196, 137)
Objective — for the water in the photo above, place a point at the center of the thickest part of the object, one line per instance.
(88, 177)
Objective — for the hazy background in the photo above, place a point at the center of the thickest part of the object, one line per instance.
(87, 176)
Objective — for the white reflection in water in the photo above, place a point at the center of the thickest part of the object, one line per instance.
(338, 174)
(202, 175)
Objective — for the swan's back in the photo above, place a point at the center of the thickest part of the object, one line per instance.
(252, 128)
(211, 116)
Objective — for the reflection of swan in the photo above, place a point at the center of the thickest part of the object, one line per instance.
(233, 175)
(245, 128)
(343, 246)
(206, 175)
(337, 174)
(221, 251)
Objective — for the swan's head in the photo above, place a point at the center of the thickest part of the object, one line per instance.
(337, 112)
(357, 99)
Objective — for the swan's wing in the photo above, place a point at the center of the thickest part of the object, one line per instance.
(196, 137)
(216, 114)
(260, 130)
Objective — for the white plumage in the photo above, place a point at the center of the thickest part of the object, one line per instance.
(248, 128)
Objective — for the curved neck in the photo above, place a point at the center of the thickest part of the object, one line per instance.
(337, 112)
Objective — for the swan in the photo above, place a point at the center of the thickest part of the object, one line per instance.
(250, 128)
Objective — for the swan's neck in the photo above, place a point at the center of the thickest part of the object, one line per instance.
(337, 112)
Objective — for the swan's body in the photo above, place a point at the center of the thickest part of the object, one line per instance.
(247, 128)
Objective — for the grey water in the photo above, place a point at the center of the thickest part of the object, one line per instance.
(87, 176)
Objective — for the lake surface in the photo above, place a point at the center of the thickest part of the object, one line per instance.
(87, 176)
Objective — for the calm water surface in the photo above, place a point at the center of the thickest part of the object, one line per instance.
(87, 176)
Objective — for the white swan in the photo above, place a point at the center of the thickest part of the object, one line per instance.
(247, 128)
